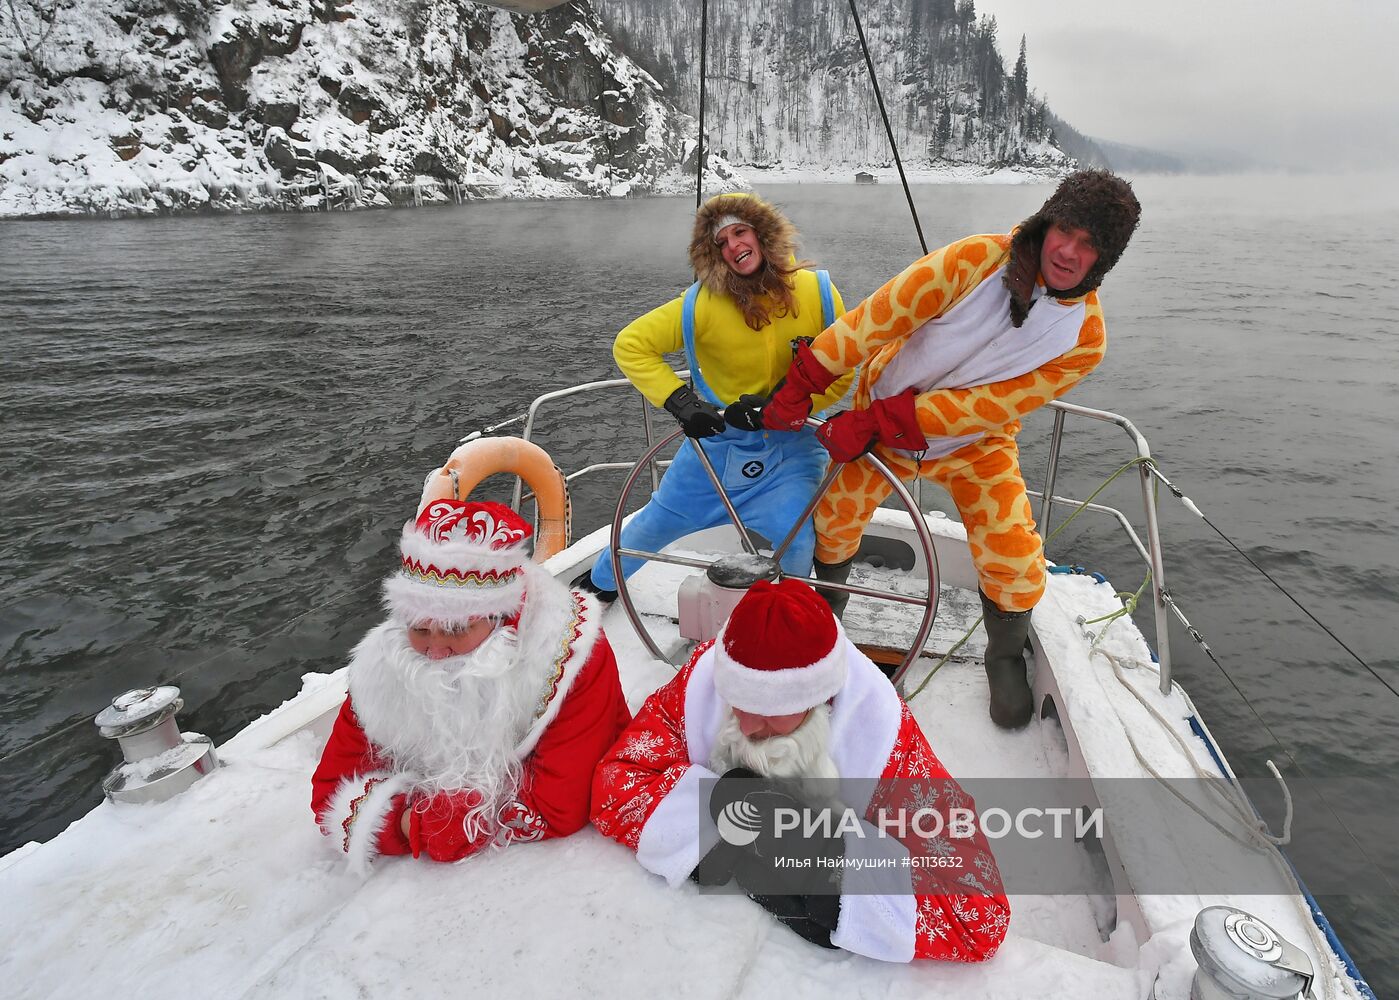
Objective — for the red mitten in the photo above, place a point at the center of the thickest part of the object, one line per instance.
(848, 435)
(437, 825)
(897, 418)
(791, 400)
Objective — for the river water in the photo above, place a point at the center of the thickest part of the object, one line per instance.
(214, 427)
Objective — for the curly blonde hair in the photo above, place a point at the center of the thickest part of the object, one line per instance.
(767, 293)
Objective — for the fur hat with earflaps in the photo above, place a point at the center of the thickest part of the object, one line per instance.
(778, 239)
(1095, 200)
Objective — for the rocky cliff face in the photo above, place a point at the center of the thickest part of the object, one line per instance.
(787, 84)
(149, 106)
(145, 106)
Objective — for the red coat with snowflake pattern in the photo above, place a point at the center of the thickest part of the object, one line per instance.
(648, 795)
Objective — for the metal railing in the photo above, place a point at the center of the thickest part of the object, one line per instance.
(1150, 549)
(576, 390)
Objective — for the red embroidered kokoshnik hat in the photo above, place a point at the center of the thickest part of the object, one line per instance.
(461, 560)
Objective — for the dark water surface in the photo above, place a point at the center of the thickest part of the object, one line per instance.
(211, 430)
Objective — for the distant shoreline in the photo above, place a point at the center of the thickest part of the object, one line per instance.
(430, 191)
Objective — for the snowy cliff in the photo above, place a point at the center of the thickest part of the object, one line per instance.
(144, 106)
(154, 106)
(786, 82)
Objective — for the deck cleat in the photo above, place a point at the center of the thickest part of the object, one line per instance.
(159, 761)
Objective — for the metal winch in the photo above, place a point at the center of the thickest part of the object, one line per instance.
(707, 601)
(1242, 958)
(160, 761)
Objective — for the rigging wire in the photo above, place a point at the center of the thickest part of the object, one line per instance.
(1150, 465)
(699, 149)
(1190, 505)
(889, 129)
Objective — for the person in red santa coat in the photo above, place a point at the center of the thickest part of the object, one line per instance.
(784, 702)
(477, 713)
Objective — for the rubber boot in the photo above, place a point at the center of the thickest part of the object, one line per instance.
(585, 582)
(834, 573)
(1012, 702)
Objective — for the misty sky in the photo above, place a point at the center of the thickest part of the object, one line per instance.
(1297, 84)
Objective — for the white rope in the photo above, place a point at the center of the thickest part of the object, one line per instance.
(1259, 837)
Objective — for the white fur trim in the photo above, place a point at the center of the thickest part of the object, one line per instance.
(865, 717)
(358, 812)
(780, 692)
(413, 599)
(878, 908)
(546, 636)
(676, 835)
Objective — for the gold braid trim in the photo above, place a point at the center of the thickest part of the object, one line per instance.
(571, 635)
(473, 579)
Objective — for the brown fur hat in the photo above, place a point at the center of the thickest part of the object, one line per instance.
(769, 289)
(1095, 200)
(775, 232)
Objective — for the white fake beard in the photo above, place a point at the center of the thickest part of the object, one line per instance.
(463, 717)
(803, 755)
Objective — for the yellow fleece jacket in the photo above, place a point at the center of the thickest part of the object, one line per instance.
(735, 359)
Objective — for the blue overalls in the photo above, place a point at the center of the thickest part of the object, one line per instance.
(769, 476)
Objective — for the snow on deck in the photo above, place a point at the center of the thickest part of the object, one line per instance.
(229, 890)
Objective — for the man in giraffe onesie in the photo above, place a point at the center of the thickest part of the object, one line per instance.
(956, 349)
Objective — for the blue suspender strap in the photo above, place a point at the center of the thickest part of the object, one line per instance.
(828, 302)
(687, 326)
(828, 316)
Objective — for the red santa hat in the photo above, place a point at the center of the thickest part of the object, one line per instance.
(461, 560)
(781, 651)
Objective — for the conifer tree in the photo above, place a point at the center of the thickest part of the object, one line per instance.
(1022, 76)
(943, 134)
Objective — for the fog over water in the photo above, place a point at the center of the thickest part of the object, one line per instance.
(213, 429)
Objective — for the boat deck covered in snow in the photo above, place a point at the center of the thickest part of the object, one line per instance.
(230, 890)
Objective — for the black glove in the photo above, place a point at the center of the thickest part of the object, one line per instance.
(806, 895)
(698, 418)
(752, 803)
(795, 912)
(747, 412)
(717, 867)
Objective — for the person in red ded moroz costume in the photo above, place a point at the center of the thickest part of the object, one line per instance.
(782, 700)
(477, 713)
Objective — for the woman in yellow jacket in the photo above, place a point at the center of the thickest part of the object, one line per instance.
(738, 326)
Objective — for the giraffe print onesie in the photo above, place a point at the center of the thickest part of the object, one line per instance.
(943, 326)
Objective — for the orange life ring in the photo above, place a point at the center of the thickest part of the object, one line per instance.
(475, 460)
